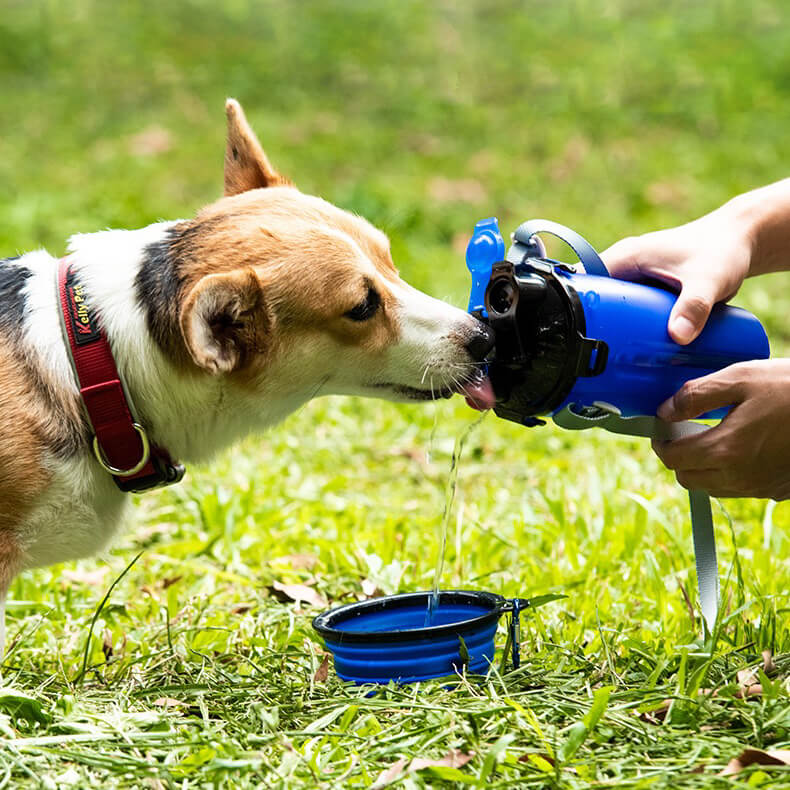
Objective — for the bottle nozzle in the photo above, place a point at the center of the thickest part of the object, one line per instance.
(485, 248)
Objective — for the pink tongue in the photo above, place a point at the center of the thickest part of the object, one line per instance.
(479, 394)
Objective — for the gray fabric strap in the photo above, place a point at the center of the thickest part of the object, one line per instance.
(699, 501)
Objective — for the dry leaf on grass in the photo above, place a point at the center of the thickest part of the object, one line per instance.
(242, 608)
(768, 663)
(746, 677)
(322, 673)
(753, 690)
(455, 758)
(296, 592)
(106, 645)
(756, 757)
(657, 714)
(389, 775)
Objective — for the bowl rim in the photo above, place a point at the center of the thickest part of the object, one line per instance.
(326, 622)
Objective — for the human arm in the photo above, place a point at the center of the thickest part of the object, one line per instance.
(708, 259)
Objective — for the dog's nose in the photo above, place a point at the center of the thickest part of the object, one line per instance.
(481, 342)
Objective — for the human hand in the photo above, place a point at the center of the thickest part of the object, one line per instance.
(706, 260)
(748, 452)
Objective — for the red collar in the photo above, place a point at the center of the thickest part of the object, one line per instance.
(120, 442)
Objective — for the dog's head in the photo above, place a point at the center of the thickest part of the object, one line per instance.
(291, 295)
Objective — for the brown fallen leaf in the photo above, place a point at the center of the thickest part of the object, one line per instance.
(322, 673)
(106, 645)
(746, 677)
(296, 592)
(756, 757)
(657, 715)
(753, 690)
(171, 581)
(455, 758)
(242, 608)
(389, 775)
(768, 663)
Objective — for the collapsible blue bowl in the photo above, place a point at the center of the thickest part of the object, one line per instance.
(386, 639)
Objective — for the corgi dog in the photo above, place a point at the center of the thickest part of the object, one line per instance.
(205, 329)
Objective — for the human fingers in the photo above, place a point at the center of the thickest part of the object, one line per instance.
(726, 387)
(622, 258)
(708, 480)
(692, 453)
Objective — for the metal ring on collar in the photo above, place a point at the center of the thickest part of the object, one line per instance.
(100, 457)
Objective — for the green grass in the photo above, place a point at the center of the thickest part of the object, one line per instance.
(614, 117)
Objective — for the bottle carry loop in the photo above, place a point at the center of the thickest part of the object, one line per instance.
(699, 501)
(527, 244)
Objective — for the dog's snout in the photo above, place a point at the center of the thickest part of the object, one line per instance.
(480, 342)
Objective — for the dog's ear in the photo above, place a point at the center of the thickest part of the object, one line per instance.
(246, 165)
(225, 321)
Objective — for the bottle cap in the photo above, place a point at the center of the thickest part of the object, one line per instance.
(485, 248)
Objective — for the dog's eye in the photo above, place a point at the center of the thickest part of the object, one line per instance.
(366, 309)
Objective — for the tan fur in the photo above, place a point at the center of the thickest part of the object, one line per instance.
(23, 420)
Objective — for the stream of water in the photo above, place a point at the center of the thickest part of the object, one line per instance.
(449, 498)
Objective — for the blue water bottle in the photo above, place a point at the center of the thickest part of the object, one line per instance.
(566, 337)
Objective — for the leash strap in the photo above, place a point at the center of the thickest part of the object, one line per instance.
(699, 501)
(120, 443)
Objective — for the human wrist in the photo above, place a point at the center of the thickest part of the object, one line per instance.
(744, 217)
(761, 221)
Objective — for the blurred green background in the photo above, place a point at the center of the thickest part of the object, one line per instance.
(613, 117)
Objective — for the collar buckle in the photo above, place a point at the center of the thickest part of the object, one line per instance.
(133, 470)
(119, 438)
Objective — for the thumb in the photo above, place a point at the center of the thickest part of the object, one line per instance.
(691, 311)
